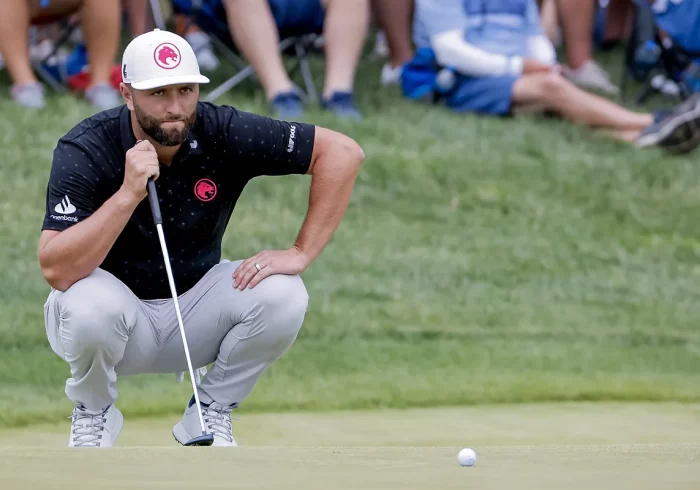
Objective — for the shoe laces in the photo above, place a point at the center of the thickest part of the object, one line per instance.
(87, 427)
(218, 420)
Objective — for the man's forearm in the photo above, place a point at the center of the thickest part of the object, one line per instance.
(332, 182)
(76, 252)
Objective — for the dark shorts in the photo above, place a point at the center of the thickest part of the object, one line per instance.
(482, 95)
(291, 16)
(298, 16)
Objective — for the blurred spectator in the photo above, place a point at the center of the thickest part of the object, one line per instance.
(141, 20)
(255, 26)
(139, 15)
(577, 20)
(100, 20)
(395, 18)
(615, 18)
(680, 20)
(492, 57)
(200, 42)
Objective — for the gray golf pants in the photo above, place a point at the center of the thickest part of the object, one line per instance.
(102, 330)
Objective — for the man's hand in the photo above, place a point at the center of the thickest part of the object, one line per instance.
(534, 66)
(141, 165)
(271, 262)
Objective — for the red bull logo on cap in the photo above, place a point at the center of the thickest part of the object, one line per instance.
(167, 56)
(205, 190)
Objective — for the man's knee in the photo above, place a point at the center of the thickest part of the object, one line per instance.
(284, 293)
(282, 303)
(554, 86)
(545, 89)
(93, 313)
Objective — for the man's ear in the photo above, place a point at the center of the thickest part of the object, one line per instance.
(127, 95)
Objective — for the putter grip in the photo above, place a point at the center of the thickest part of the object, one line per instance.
(153, 201)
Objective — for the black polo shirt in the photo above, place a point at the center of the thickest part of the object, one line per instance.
(197, 192)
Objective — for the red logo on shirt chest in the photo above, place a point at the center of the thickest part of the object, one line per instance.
(205, 190)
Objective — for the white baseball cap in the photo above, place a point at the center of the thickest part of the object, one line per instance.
(159, 58)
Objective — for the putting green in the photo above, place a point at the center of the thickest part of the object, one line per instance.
(570, 446)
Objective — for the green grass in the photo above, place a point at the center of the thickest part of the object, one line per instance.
(481, 260)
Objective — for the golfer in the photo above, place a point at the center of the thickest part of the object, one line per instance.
(110, 311)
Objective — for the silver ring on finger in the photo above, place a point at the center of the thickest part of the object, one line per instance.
(257, 266)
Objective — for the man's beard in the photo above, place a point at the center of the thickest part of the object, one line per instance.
(165, 137)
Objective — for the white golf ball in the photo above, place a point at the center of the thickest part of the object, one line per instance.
(466, 457)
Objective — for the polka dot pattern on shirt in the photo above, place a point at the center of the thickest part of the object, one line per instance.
(231, 148)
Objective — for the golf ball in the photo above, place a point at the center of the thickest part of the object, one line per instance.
(466, 457)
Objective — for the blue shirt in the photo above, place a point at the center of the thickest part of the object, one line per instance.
(681, 21)
(497, 26)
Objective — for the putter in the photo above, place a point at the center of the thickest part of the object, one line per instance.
(205, 439)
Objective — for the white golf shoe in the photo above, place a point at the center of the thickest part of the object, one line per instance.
(217, 421)
(95, 428)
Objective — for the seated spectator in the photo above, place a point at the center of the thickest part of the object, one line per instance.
(255, 27)
(491, 57)
(100, 25)
(395, 18)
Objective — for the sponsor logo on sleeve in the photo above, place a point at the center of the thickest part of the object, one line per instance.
(64, 209)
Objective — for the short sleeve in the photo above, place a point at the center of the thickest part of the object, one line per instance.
(72, 187)
(266, 146)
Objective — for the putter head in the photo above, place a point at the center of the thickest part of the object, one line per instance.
(203, 440)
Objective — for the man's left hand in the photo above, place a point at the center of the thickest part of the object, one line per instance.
(267, 263)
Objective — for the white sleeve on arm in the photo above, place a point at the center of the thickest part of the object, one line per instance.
(541, 49)
(452, 50)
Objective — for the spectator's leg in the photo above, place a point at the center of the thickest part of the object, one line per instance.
(101, 25)
(139, 16)
(255, 33)
(561, 96)
(344, 30)
(14, 41)
(617, 25)
(395, 17)
(576, 17)
(550, 20)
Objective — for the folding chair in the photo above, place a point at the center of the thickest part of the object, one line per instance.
(656, 59)
(55, 77)
(209, 16)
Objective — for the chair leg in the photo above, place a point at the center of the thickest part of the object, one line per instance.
(305, 69)
(157, 12)
(48, 78)
(39, 65)
(229, 84)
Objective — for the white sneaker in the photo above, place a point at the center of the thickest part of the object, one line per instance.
(391, 75)
(381, 46)
(95, 428)
(217, 421)
(591, 76)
